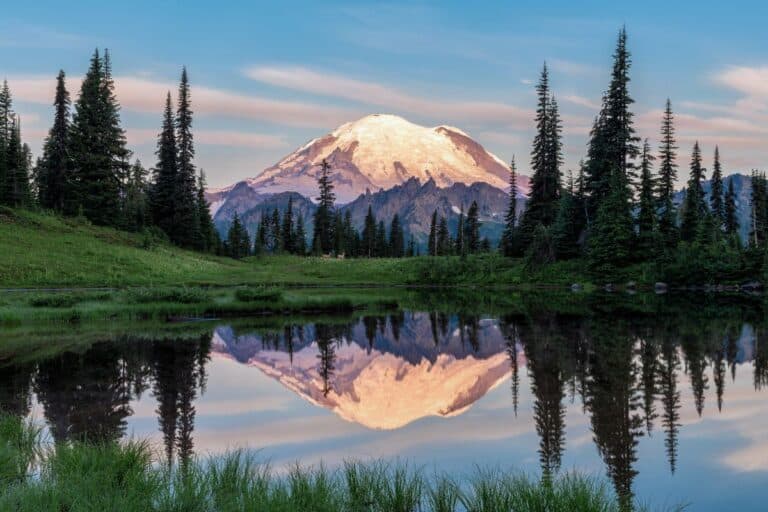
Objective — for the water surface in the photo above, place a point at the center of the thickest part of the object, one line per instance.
(665, 399)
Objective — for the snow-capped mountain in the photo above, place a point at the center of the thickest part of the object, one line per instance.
(380, 151)
(379, 154)
(381, 376)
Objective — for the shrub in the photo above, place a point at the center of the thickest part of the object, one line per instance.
(176, 295)
(258, 294)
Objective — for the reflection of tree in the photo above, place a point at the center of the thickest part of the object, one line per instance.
(14, 389)
(509, 331)
(613, 401)
(469, 327)
(544, 350)
(719, 374)
(761, 358)
(649, 353)
(396, 321)
(179, 371)
(670, 399)
(327, 354)
(433, 328)
(85, 396)
(371, 324)
(693, 346)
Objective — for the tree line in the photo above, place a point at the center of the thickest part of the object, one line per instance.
(85, 168)
(616, 211)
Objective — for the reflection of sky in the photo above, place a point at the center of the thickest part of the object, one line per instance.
(722, 457)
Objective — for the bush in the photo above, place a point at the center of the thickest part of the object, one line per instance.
(177, 295)
(258, 294)
(54, 300)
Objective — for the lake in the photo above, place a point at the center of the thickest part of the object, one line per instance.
(662, 397)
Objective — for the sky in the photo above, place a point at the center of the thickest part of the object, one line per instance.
(269, 76)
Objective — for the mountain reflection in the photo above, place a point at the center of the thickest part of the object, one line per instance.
(630, 372)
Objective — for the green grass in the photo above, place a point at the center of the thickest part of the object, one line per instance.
(125, 476)
(42, 250)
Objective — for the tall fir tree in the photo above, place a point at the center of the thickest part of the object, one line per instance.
(381, 246)
(472, 229)
(53, 171)
(443, 239)
(209, 237)
(165, 173)
(369, 235)
(238, 243)
(300, 237)
(731, 220)
(136, 206)
(287, 228)
(396, 238)
(667, 214)
(716, 199)
(461, 241)
(18, 168)
(646, 217)
(694, 205)
(186, 229)
(510, 220)
(432, 239)
(6, 121)
(565, 230)
(546, 157)
(97, 148)
(759, 210)
(322, 239)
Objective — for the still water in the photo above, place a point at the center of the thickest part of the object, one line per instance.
(665, 401)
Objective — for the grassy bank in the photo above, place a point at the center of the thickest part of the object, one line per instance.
(41, 250)
(126, 477)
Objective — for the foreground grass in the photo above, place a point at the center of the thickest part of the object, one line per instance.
(111, 476)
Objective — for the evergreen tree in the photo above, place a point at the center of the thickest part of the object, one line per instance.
(759, 211)
(461, 241)
(432, 242)
(472, 229)
(322, 240)
(287, 228)
(97, 147)
(18, 166)
(6, 121)
(53, 171)
(300, 237)
(186, 229)
(276, 231)
(646, 217)
(163, 196)
(238, 243)
(260, 237)
(694, 206)
(369, 235)
(565, 230)
(208, 234)
(667, 216)
(380, 250)
(716, 199)
(510, 220)
(731, 221)
(136, 207)
(396, 238)
(443, 239)
(546, 158)
(609, 244)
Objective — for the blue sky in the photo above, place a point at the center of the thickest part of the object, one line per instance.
(267, 78)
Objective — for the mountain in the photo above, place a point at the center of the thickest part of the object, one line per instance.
(384, 160)
(415, 202)
(380, 151)
(383, 373)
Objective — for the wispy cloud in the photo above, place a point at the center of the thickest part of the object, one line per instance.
(569, 67)
(230, 138)
(391, 98)
(144, 95)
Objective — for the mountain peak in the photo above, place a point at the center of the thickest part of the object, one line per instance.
(379, 151)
